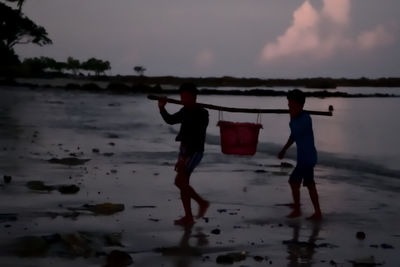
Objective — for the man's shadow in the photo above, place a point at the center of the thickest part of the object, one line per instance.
(189, 247)
(300, 253)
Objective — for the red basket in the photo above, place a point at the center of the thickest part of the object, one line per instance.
(239, 138)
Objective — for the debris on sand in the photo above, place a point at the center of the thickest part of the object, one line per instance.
(39, 186)
(32, 246)
(118, 258)
(7, 179)
(216, 231)
(7, 217)
(68, 189)
(112, 136)
(71, 161)
(113, 239)
(387, 246)
(230, 258)
(75, 244)
(144, 206)
(365, 262)
(105, 208)
(78, 244)
(259, 258)
(360, 235)
(63, 189)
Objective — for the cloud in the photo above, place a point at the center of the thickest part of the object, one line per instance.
(298, 38)
(319, 34)
(377, 37)
(338, 11)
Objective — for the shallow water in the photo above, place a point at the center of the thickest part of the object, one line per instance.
(362, 134)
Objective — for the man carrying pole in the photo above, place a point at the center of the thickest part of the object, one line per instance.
(301, 133)
(192, 134)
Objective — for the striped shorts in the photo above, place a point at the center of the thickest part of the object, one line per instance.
(188, 163)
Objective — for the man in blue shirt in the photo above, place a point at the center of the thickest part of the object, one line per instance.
(301, 133)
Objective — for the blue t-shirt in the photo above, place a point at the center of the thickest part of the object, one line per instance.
(302, 133)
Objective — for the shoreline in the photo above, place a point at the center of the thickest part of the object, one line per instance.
(111, 87)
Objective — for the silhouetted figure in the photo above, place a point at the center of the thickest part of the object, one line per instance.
(301, 132)
(192, 134)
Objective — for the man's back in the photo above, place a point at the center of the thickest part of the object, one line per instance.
(302, 134)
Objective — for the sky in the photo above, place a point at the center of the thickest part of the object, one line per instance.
(214, 38)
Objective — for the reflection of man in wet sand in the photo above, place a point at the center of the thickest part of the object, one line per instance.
(184, 253)
(301, 132)
(192, 134)
(301, 253)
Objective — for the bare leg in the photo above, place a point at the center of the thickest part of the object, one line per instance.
(203, 204)
(296, 200)
(186, 204)
(314, 199)
(182, 182)
(187, 193)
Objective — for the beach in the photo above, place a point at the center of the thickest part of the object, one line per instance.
(120, 156)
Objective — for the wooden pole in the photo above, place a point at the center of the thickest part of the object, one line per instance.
(241, 110)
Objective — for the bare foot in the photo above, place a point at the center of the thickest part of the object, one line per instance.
(294, 214)
(184, 221)
(203, 208)
(315, 217)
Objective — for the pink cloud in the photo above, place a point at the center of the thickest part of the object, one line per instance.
(319, 34)
(376, 37)
(338, 11)
(300, 37)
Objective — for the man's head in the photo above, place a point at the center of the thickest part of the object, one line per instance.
(188, 92)
(296, 100)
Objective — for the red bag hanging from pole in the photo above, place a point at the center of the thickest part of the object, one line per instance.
(239, 138)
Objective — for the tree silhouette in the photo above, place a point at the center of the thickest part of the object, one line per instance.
(39, 65)
(16, 28)
(35, 65)
(139, 70)
(73, 64)
(98, 66)
(20, 3)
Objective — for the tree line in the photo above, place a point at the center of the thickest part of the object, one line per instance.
(40, 65)
(17, 29)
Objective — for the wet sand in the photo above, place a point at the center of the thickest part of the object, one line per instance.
(117, 150)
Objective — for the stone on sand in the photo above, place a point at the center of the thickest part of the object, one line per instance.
(71, 161)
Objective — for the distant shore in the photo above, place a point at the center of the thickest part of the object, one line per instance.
(325, 87)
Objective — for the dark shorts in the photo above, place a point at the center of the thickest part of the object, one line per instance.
(187, 162)
(302, 173)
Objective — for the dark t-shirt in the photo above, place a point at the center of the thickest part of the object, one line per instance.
(194, 122)
(302, 134)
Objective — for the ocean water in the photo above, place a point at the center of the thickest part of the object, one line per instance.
(362, 135)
